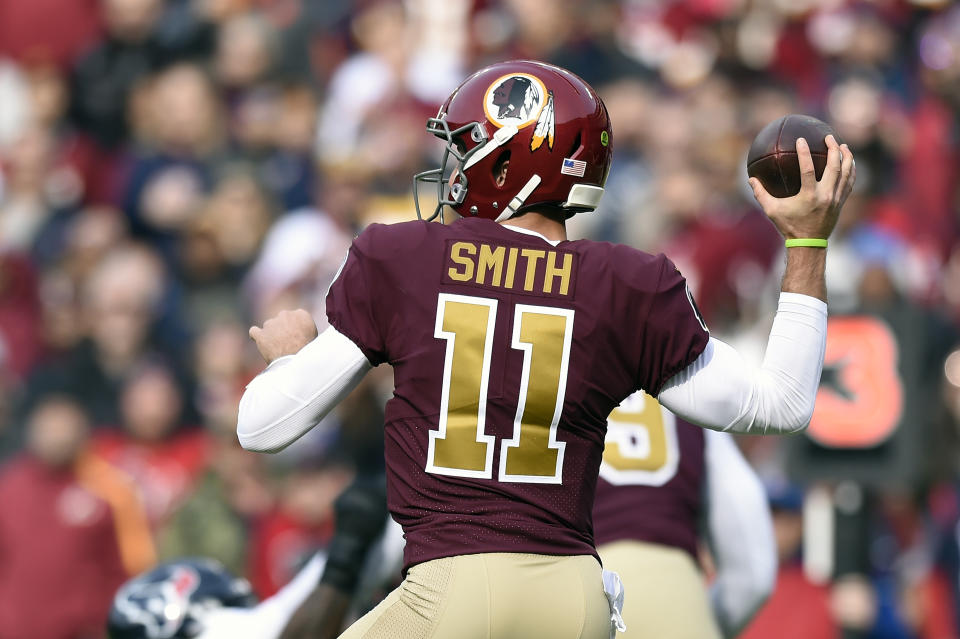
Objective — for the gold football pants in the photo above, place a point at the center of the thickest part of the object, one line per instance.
(493, 596)
(664, 592)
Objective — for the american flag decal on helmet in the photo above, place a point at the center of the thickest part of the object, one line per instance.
(573, 167)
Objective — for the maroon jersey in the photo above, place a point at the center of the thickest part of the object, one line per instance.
(651, 477)
(508, 353)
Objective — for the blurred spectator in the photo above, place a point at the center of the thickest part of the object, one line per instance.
(163, 458)
(71, 530)
(121, 303)
(798, 608)
(183, 136)
(20, 344)
(233, 492)
(301, 523)
(24, 202)
(54, 30)
(393, 62)
(246, 48)
(288, 168)
(136, 44)
(219, 244)
(300, 257)
(913, 596)
(86, 240)
(222, 369)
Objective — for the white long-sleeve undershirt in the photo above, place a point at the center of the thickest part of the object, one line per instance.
(718, 390)
(739, 530)
(268, 619)
(296, 391)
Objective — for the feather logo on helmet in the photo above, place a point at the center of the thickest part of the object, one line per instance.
(521, 99)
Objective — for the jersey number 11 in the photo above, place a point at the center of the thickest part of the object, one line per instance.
(460, 447)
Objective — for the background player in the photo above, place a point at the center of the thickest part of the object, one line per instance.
(495, 332)
(200, 599)
(665, 485)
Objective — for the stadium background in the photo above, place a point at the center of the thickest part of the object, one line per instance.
(171, 171)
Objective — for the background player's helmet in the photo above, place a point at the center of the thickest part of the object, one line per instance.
(549, 124)
(169, 602)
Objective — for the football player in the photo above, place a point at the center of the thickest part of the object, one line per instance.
(360, 517)
(510, 347)
(200, 599)
(662, 480)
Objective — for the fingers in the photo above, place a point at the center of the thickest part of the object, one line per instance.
(302, 315)
(848, 172)
(808, 177)
(853, 175)
(831, 173)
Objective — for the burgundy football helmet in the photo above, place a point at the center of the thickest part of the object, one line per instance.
(548, 123)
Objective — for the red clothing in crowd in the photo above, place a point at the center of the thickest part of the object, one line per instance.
(20, 324)
(278, 546)
(68, 539)
(798, 609)
(48, 30)
(934, 602)
(164, 472)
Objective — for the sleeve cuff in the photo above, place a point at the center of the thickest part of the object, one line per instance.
(799, 302)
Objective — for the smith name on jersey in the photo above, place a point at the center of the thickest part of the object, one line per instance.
(509, 353)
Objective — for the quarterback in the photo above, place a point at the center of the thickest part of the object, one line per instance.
(511, 345)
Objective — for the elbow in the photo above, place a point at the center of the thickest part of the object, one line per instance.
(256, 444)
(253, 437)
(783, 409)
(250, 428)
(249, 444)
(799, 419)
(797, 424)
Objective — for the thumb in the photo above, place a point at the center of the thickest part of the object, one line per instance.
(763, 198)
(255, 332)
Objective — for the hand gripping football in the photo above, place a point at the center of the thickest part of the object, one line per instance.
(773, 155)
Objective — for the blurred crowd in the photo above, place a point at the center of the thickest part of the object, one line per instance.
(172, 171)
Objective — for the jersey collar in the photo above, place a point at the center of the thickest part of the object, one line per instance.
(529, 232)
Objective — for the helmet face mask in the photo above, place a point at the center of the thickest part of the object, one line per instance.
(450, 192)
(549, 124)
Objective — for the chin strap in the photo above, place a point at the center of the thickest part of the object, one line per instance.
(501, 137)
(519, 198)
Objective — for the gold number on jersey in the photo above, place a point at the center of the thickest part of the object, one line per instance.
(459, 447)
(641, 443)
(534, 454)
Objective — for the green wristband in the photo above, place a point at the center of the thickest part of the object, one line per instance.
(807, 241)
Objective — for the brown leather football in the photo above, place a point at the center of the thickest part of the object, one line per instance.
(773, 154)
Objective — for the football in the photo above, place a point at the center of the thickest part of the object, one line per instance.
(773, 155)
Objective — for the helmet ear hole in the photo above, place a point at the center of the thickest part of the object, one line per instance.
(576, 146)
(500, 168)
